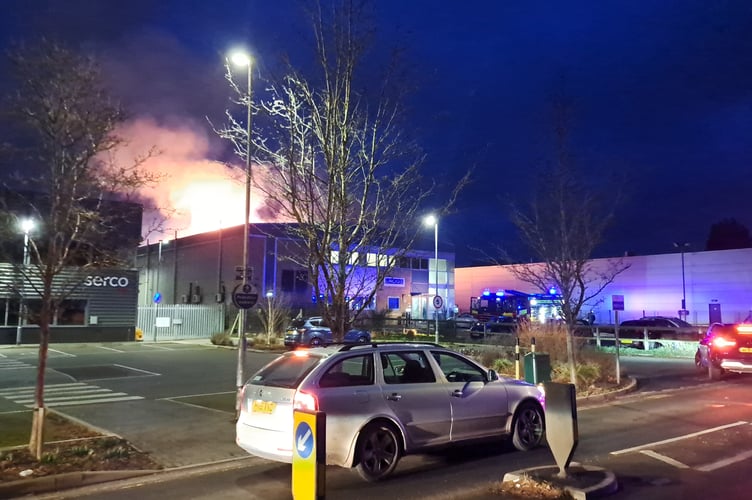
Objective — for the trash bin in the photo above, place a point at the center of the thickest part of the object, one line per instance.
(537, 367)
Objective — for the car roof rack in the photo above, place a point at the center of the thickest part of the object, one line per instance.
(348, 347)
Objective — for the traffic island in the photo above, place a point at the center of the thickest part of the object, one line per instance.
(581, 482)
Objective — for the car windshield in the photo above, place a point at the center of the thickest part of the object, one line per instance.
(297, 323)
(681, 323)
(286, 371)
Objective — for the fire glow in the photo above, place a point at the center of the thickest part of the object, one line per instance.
(195, 194)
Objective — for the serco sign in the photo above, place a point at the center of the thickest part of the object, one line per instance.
(111, 281)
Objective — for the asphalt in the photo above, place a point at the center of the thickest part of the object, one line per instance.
(205, 452)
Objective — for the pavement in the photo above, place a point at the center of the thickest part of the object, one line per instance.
(205, 443)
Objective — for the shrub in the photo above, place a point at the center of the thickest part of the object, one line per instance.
(222, 338)
(81, 451)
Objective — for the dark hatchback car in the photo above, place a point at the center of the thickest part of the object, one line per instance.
(314, 332)
(725, 348)
(632, 332)
(494, 325)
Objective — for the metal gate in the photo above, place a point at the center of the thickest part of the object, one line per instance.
(180, 321)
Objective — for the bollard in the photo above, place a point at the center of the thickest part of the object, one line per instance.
(517, 358)
(535, 368)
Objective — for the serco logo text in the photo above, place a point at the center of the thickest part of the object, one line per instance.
(112, 281)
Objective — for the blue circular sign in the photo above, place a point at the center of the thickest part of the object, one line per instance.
(304, 440)
(157, 298)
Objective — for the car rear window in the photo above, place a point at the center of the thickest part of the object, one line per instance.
(286, 371)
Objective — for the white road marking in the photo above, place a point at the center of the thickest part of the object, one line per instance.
(678, 438)
(137, 369)
(66, 395)
(109, 348)
(726, 461)
(12, 364)
(62, 353)
(664, 458)
(152, 346)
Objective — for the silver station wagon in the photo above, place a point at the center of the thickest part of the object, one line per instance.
(383, 401)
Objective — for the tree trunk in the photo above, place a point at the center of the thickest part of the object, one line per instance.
(570, 357)
(36, 441)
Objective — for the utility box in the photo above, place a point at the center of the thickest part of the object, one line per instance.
(537, 367)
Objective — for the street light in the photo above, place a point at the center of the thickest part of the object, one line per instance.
(432, 220)
(683, 313)
(26, 226)
(242, 59)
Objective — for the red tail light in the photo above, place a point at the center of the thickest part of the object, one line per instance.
(305, 401)
(723, 342)
(744, 329)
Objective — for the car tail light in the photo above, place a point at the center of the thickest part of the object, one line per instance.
(305, 401)
(744, 329)
(723, 342)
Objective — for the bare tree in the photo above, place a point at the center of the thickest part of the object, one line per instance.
(70, 185)
(274, 312)
(562, 226)
(338, 164)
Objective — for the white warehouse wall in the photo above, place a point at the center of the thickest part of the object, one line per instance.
(652, 285)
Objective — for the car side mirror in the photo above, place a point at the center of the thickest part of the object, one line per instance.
(492, 375)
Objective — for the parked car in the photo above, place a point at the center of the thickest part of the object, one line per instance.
(632, 332)
(314, 332)
(494, 325)
(725, 348)
(465, 320)
(310, 332)
(384, 401)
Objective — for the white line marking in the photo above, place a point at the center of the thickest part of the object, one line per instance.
(726, 461)
(195, 406)
(678, 438)
(47, 388)
(152, 346)
(105, 400)
(109, 348)
(63, 353)
(137, 370)
(77, 397)
(199, 395)
(664, 458)
(3, 355)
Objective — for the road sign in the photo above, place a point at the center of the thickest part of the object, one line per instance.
(617, 302)
(239, 273)
(157, 298)
(244, 296)
(438, 302)
(308, 455)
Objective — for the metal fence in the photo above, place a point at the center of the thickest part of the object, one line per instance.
(180, 321)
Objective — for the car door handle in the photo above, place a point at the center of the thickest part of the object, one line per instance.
(394, 397)
(457, 393)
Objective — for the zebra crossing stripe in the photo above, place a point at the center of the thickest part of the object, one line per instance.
(66, 395)
(12, 364)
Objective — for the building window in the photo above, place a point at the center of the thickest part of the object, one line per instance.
(294, 280)
(393, 303)
(68, 312)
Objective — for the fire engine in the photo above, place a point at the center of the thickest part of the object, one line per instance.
(537, 307)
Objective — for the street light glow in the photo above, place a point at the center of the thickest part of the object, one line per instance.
(240, 58)
(429, 220)
(27, 225)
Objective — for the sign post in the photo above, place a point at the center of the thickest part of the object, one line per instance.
(309, 455)
(617, 304)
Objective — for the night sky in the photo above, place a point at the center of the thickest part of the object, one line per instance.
(661, 92)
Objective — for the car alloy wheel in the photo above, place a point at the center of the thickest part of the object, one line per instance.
(315, 342)
(527, 429)
(378, 452)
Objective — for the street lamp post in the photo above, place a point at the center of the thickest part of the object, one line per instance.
(26, 226)
(241, 59)
(269, 322)
(683, 313)
(432, 220)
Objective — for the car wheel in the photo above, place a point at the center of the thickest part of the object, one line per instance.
(527, 428)
(714, 372)
(698, 362)
(378, 452)
(315, 342)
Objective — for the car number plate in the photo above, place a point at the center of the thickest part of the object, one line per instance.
(263, 406)
(745, 349)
